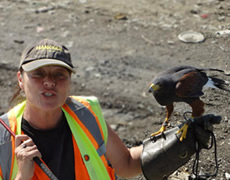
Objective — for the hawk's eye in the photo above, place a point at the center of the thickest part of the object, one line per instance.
(160, 85)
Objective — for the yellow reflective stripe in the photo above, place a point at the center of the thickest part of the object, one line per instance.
(94, 165)
(15, 169)
(18, 110)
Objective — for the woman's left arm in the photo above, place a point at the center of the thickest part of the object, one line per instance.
(125, 161)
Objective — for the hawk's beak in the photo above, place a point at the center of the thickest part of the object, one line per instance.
(153, 87)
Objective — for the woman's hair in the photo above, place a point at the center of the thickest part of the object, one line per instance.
(17, 96)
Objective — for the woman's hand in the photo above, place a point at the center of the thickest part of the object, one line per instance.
(25, 151)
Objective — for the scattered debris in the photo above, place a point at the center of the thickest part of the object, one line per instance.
(121, 16)
(44, 9)
(19, 41)
(223, 32)
(204, 16)
(227, 176)
(82, 1)
(147, 40)
(40, 29)
(191, 37)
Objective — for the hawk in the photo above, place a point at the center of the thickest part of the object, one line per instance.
(184, 84)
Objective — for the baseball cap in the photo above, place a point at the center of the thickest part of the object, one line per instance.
(44, 53)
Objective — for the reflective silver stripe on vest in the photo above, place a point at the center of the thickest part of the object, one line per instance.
(5, 149)
(89, 121)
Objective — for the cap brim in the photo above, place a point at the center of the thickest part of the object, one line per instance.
(33, 65)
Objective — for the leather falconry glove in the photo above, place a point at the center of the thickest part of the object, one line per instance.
(163, 154)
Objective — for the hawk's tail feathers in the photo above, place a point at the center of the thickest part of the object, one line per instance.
(215, 69)
(221, 84)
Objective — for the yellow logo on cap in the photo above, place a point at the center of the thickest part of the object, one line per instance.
(47, 47)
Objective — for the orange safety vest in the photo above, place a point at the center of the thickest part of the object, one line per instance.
(86, 114)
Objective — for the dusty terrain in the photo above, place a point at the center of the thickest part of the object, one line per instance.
(117, 48)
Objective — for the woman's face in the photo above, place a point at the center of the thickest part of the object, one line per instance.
(45, 88)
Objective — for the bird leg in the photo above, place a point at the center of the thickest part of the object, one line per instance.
(169, 109)
(162, 129)
(197, 110)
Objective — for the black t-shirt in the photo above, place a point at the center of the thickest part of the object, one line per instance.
(56, 147)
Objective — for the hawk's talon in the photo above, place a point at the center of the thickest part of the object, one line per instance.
(162, 129)
(183, 131)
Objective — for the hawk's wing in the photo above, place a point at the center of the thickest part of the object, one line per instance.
(191, 84)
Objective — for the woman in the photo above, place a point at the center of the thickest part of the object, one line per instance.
(48, 128)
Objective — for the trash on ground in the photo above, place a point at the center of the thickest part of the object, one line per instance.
(191, 37)
(223, 32)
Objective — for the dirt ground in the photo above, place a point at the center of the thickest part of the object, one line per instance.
(117, 48)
